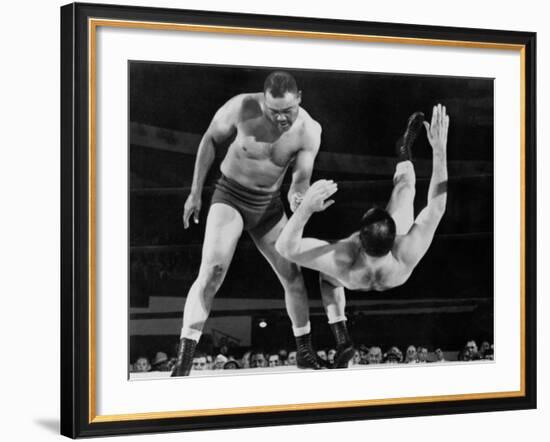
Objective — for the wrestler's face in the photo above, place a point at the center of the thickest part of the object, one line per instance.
(282, 111)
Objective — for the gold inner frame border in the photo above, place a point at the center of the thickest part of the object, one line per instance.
(93, 24)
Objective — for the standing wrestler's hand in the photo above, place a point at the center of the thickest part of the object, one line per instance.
(315, 199)
(295, 200)
(192, 207)
(437, 130)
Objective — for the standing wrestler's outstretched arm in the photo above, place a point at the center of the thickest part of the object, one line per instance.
(312, 253)
(416, 243)
(222, 126)
(303, 165)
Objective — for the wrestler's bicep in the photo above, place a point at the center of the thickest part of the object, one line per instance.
(305, 159)
(304, 163)
(220, 130)
(224, 122)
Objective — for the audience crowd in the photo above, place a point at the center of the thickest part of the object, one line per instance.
(227, 358)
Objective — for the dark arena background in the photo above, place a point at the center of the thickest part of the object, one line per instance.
(447, 301)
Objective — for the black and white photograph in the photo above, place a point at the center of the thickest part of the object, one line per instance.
(286, 219)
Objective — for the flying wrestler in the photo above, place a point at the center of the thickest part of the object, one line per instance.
(390, 242)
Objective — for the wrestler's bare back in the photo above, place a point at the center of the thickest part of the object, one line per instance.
(259, 155)
(356, 271)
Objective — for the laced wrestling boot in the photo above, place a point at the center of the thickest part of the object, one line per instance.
(186, 350)
(344, 345)
(405, 142)
(305, 355)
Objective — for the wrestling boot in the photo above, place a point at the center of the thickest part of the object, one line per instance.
(186, 350)
(344, 345)
(305, 355)
(404, 144)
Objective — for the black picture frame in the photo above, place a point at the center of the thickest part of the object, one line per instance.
(77, 417)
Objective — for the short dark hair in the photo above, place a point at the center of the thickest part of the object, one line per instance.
(278, 83)
(377, 232)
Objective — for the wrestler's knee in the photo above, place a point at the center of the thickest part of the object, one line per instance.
(292, 279)
(211, 277)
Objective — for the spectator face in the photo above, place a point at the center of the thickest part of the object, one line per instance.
(258, 360)
(161, 362)
(484, 347)
(274, 361)
(330, 355)
(356, 360)
(471, 346)
(422, 354)
(375, 355)
(163, 366)
(394, 356)
(364, 356)
(142, 365)
(246, 360)
(439, 354)
(291, 358)
(322, 354)
(219, 362)
(199, 363)
(209, 362)
(411, 354)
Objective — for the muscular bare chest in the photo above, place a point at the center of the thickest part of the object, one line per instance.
(255, 142)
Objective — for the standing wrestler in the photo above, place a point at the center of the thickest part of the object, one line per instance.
(390, 242)
(270, 132)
